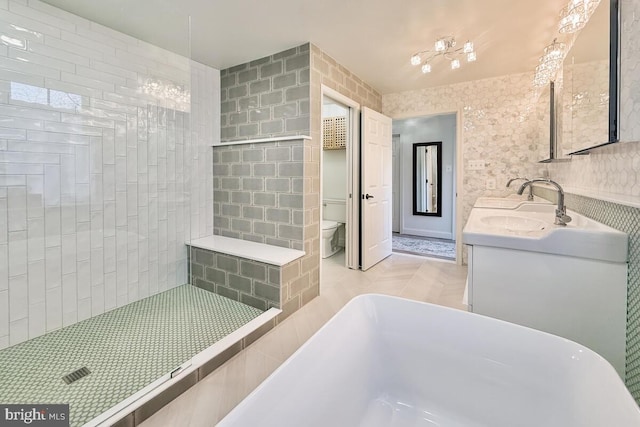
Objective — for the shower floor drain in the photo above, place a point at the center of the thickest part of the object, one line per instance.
(76, 375)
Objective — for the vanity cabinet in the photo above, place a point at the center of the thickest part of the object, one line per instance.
(581, 299)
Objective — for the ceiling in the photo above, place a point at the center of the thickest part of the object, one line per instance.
(372, 38)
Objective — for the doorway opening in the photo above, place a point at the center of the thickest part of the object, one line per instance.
(335, 140)
(424, 163)
(362, 175)
(339, 169)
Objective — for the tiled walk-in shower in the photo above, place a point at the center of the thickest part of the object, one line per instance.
(124, 350)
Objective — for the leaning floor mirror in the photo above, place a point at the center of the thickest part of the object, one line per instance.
(427, 178)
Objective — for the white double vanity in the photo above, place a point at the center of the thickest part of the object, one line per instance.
(569, 280)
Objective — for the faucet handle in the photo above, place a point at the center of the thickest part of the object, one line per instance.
(561, 217)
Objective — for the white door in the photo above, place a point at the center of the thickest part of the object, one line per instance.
(376, 172)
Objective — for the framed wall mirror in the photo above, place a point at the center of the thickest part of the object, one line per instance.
(589, 103)
(427, 178)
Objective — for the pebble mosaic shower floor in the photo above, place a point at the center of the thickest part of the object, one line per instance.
(124, 349)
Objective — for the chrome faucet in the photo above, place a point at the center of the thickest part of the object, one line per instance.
(561, 210)
(522, 179)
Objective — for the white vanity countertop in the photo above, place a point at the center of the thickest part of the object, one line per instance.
(269, 254)
(535, 231)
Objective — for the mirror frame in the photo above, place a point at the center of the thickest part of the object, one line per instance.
(614, 78)
(438, 211)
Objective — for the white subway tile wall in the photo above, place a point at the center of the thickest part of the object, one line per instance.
(105, 167)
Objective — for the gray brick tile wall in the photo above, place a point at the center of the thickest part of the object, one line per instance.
(300, 281)
(251, 282)
(258, 188)
(268, 97)
(275, 96)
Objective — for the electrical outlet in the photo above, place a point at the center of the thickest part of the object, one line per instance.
(476, 165)
(491, 184)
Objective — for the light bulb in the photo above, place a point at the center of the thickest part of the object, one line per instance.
(415, 59)
(455, 64)
(440, 45)
(426, 68)
(471, 56)
(468, 47)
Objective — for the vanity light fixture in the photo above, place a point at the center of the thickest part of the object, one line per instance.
(575, 15)
(446, 48)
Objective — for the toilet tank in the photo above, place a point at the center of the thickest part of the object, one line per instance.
(334, 210)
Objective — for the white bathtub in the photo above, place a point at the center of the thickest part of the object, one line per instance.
(386, 361)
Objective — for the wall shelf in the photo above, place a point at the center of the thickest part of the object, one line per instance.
(260, 140)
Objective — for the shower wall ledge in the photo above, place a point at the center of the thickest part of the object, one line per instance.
(258, 140)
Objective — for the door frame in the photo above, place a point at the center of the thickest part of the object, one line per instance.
(458, 179)
(398, 199)
(352, 229)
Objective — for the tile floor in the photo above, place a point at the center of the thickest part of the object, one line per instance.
(120, 349)
(413, 277)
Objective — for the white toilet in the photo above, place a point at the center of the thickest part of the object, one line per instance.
(334, 215)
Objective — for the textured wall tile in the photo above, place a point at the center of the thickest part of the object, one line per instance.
(266, 229)
(239, 283)
(320, 72)
(294, 201)
(504, 134)
(272, 98)
(264, 199)
(253, 301)
(629, 71)
(242, 210)
(227, 263)
(611, 172)
(242, 197)
(274, 127)
(264, 169)
(253, 270)
(255, 90)
(260, 86)
(253, 212)
(215, 276)
(241, 225)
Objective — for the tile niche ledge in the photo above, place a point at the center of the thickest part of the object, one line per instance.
(259, 140)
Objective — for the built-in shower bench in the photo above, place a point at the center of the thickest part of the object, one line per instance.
(256, 274)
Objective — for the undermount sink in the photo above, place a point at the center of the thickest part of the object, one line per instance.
(513, 223)
(530, 227)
